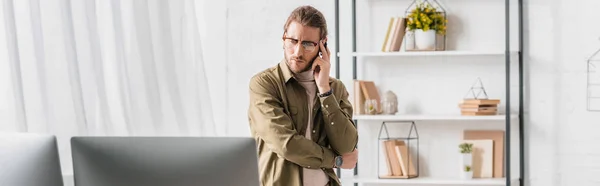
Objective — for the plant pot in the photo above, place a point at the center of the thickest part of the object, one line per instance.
(467, 175)
(466, 160)
(425, 40)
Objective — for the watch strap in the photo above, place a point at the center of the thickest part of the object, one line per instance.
(328, 93)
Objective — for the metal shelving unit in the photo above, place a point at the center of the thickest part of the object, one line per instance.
(508, 117)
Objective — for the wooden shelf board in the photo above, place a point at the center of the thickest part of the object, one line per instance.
(425, 117)
(434, 181)
(426, 53)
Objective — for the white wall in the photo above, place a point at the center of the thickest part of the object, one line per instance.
(561, 132)
(251, 35)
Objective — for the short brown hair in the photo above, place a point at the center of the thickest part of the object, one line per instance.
(307, 16)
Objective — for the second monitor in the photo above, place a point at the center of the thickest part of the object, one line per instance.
(162, 161)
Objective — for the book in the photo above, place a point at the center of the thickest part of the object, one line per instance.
(498, 137)
(481, 101)
(405, 159)
(359, 98)
(398, 34)
(390, 35)
(387, 35)
(483, 157)
(369, 91)
(394, 161)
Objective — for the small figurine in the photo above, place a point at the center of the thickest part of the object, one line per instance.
(389, 103)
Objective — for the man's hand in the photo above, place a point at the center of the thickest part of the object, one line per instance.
(321, 67)
(349, 160)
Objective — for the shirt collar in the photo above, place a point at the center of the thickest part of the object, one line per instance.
(287, 73)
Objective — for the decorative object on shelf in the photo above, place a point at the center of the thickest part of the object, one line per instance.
(466, 150)
(389, 103)
(593, 82)
(478, 104)
(363, 91)
(427, 19)
(467, 173)
(476, 90)
(371, 106)
(370, 91)
(399, 153)
(481, 140)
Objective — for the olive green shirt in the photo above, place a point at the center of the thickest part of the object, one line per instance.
(278, 117)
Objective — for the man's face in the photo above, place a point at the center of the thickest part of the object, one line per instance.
(301, 46)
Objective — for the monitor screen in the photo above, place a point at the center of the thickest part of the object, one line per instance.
(28, 159)
(164, 161)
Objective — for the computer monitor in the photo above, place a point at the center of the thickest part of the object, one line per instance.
(28, 159)
(164, 161)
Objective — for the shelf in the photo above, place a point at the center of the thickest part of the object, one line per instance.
(427, 53)
(416, 117)
(435, 181)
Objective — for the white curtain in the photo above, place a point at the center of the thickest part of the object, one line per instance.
(103, 67)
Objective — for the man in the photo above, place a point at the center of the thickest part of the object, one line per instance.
(300, 117)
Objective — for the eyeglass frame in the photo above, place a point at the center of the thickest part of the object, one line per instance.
(302, 42)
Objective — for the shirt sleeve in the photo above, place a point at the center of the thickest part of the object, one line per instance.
(339, 126)
(271, 124)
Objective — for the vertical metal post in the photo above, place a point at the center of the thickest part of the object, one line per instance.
(354, 75)
(521, 107)
(337, 50)
(507, 76)
(337, 40)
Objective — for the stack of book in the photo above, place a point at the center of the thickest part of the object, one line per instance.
(394, 35)
(479, 107)
(399, 160)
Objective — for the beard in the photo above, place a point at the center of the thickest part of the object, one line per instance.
(295, 67)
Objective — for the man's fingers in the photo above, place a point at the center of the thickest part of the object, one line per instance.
(315, 63)
(324, 50)
(328, 52)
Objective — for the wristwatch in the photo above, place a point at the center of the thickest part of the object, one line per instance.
(326, 93)
(338, 161)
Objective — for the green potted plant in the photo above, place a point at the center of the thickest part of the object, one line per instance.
(467, 172)
(426, 22)
(466, 150)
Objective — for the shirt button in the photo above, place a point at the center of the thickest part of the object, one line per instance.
(326, 106)
(314, 131)
(331, 123)
(308, 167)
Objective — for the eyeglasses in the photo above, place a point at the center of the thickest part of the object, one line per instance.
(290, 43)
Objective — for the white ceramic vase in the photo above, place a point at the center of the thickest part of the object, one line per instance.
(425, 40)
(467, 160)
(467, 175)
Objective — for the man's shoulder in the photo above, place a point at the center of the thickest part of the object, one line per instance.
(267, 75)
